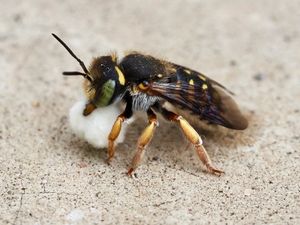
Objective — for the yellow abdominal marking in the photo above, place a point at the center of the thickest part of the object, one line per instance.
(187, 71)
(204, 86)
(202, 77)
(191, 82)
(120, 75)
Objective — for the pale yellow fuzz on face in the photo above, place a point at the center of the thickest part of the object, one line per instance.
(120, 75)
(191, 82)
(204, 86)
(114, 57)
(88, 91)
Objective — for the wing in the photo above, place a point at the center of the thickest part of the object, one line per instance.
(191, 90)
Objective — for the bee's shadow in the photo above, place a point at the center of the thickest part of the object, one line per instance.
(227, 138)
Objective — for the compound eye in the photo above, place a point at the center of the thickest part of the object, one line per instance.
(144, 85)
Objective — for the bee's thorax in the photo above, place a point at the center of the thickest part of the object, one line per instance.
(141, 101)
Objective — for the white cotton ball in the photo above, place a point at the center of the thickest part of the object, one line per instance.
(95, 127)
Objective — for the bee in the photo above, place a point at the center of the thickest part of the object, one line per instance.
(145, 83)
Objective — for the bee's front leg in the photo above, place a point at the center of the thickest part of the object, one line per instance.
(115, 131)
(143, 141)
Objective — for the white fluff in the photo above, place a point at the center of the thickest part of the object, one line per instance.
(95, 127)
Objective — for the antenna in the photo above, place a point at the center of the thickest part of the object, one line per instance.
(76, 73)
(75, 57)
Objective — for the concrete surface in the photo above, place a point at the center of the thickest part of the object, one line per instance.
(48, 176)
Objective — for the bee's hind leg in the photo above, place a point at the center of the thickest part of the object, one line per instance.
(193, 137)
(143, 141)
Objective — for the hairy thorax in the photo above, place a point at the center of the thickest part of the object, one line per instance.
(141, 101)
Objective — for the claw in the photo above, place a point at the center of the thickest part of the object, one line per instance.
(129, 173)
(214, 170)
(108, 160)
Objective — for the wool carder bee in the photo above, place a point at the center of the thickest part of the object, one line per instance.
(145, 83)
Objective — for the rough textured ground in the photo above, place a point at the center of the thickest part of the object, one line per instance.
(48, 176)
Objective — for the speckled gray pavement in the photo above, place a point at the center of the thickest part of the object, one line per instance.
(49, 176)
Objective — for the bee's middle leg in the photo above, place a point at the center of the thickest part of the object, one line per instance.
(143, 141)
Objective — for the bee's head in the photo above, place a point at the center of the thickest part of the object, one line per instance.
(107, 81)
(104, 80)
